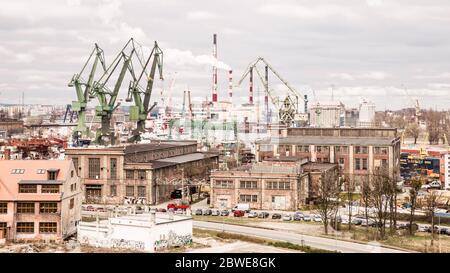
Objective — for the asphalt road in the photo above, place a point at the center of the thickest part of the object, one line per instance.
(316, 242)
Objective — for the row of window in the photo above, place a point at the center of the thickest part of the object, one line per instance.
(32, 188)
(130, 191)
(44, 227)
(28, 207)
(338, 149)
(276, 185)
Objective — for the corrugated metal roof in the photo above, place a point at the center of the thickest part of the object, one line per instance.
(318, 140)
(186, 158)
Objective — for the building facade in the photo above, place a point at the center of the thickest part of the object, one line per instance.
(357, 151)
(327, 114)
(139, 173)
(39, 199)
(267, 185)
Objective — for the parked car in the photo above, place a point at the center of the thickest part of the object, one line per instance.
(90, 208)
(344, 220)
(161, 210)
(423, 228)
(307, 218)
(317, 218)
(244, 207)
(101, 209)
(444, 230)
(414, 226)
(406, 205)
(298, 216)
(198, 212)
(224, 213)
(252, 214)
(357, 221)
(207, 212)
(238, 213)
(215, 212)
(287, 217)
(263, 214)
(276, 216)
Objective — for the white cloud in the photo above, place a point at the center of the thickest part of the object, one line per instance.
(201, 15)
(308, 11)
(372, 75)
(186, 57)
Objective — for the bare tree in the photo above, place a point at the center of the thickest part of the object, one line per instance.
(433, 119)
(413, 192)
(413, 130)
(382, 194)
(431, 201)
(328, 196)
(367, 198)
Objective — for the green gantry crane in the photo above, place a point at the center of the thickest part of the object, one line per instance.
(141, 108)
(84, 90)
(107, 98)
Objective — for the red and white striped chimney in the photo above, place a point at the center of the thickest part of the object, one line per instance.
(214, 91)
(230, 84)
(250, 88)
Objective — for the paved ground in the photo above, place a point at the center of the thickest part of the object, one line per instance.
(215, 246)
(317, 242)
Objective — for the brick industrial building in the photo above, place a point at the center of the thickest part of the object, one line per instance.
(39, 199)
(286, 183)
(143, 173)
(357, 151)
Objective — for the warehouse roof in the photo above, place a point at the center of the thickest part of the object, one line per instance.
(319, 140)
(157, 145)
(181, 159)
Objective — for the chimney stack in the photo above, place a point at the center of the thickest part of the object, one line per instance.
(266, 96)
(214, 93)
(230, 85)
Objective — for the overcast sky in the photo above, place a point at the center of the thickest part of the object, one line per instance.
(364, 48)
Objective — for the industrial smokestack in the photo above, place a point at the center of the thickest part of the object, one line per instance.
(250, 98)
(266, 95)
(230, 84)
(214, 93)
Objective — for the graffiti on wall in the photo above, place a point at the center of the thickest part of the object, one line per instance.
(134, 201)
(172, 240)
(85, 240)
(121, 243)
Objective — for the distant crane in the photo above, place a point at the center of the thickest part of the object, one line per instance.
(142, 108)
(416, 105)
(84, 90)
(288, 108)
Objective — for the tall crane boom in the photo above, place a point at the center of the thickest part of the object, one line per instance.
(84, 91)
(141, 109)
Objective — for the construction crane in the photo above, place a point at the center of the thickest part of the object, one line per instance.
(317, 111)
(84, 91)
(141, 97)
(415, 103)
(288, 108)
(106, 97)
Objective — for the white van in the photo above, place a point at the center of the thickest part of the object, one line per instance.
(244, 207)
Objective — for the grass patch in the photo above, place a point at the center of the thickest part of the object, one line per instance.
(306, 249)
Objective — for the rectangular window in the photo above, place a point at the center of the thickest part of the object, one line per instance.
(142, 174)
(129, 174)
(224, 184)
(48, 207)
(141, 191)
(247, 198)
(27, 188)
(384, 162)
(278, 185)
(72, 203)
(113, 163)
(3, 208)
(129, 190)
(113, 190)
(52, 175)
(50, 189)
(25, 207)
(94, 168)
(357, 164)
(75, 163)
(364, 164)
(248, 184)
(47, 227)
(25, 227)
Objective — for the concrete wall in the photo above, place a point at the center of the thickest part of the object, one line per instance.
(137, 235)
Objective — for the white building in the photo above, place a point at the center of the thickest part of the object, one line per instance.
(366, 114)
(327, 114)
(147, 232)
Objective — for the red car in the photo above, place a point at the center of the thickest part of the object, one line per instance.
(238, 213)
(175, 206)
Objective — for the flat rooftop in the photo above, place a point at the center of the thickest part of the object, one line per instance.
(330, 140)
